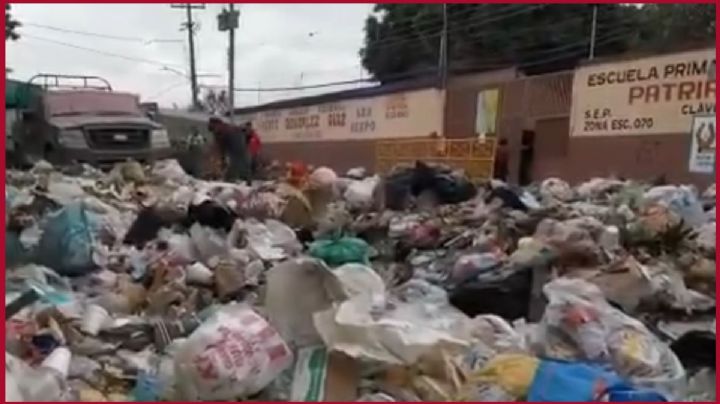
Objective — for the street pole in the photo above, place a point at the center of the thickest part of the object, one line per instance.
(190, 26)
(228, 20)
(231, 66)
(593, 31)
(443, 62)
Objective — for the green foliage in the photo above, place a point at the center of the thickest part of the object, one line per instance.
(11, 25)
(404, 40)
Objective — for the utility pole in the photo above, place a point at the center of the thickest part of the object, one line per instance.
(228, 20)
(443, 62)
(593, 31)
(190, 26)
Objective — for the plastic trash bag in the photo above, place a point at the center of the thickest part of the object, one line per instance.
(392, 330)
(359, 194)
(512, 374)
(583, 382)
(579, 324)
(706, 237)
(208, 243)
(296, 289)
(234, 354)
(340, 251)
(15, 372)
(681, 200)
(598, 187)
(170, 170)
(271, 240)
(555, 189)
(572, 240)
(322, 177)
(468, 266)
(66, 244)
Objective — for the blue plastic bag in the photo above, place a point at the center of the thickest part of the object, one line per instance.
(66, 244)
(577, 382)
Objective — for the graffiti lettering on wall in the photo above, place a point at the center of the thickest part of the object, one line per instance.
(657, 95)
(409, 114)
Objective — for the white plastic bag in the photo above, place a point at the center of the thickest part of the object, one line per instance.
(359, 194)
(271, 240)
(208, 242)
(706, 236)
(682, 201)
(322, 177)
(596, 187)
(394, 331)
(556, 189)
(297, 289)
(235, 353)
(580, 324)
(170, 170)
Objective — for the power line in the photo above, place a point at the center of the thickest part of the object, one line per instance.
(86, 33)
(165, 90)
(558, 53)
(473, 22)
(101, 52)
(566, 51)
(434, 26)
(481, 20)
(413, 74)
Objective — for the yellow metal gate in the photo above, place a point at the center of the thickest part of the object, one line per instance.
(474, 156)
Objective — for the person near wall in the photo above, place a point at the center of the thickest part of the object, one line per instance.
(501, 160)
(232, 143)
(440, 145)
(254, 147)
(195, 146)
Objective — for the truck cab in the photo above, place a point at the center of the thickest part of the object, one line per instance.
(87, 123)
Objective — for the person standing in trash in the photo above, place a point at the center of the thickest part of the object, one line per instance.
(233, 145)
(501, 160)
(254, 146)
(196, 143)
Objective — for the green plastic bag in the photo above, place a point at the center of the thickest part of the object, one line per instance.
(341, 251)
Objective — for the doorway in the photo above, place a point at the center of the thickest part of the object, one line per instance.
(527, 154)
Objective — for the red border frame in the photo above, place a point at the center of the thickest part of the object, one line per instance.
(2, 142)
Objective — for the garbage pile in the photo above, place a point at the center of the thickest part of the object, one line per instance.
(146, 284)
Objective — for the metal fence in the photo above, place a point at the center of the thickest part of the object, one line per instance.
(474, 156)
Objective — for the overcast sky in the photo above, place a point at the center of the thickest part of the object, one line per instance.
(277, 45)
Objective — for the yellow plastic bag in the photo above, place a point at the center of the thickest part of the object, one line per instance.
(513, 373)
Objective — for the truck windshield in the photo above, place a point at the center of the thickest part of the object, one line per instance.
(91, 103)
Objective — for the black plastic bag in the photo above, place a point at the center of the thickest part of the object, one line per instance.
(505, 293)
(695, 349)
(211, 214)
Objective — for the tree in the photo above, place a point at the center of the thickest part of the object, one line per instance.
(670, 27)
(11, 25)
(403, 40)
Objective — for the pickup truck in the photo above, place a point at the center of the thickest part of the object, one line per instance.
(86, 123)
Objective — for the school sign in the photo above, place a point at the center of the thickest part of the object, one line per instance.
(655, 95)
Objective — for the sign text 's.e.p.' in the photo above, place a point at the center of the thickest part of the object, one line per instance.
(655, 95)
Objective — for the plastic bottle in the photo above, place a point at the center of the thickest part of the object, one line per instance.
(48, 381)
(147, 387)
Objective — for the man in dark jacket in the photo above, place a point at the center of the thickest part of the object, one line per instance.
(232, 142)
